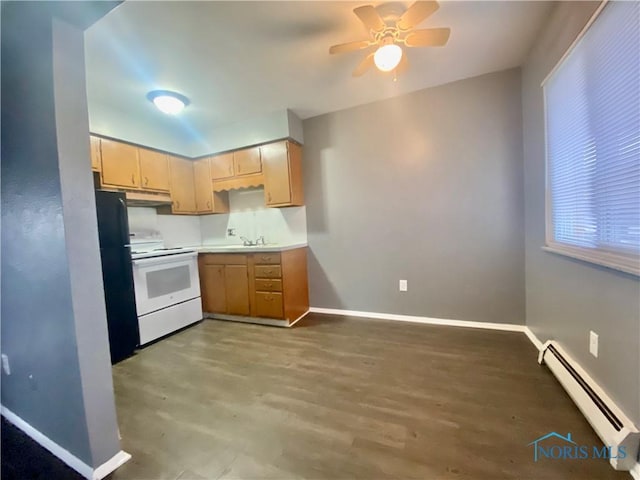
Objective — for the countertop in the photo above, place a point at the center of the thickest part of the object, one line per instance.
(243, 249)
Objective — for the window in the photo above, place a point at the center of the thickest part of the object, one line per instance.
(592, 108)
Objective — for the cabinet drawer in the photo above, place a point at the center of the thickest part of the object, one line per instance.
(267, 271)
(267, 258)
(268, 285)
(224, 259)
(269, 305)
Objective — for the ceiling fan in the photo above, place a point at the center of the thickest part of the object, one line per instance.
(389, 28)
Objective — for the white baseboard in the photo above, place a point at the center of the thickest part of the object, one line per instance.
(635, 471)
(63, 454)
(111, 465)
(299, 318)
(535, 340)
(509, 327)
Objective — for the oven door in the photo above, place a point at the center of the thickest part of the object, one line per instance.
(164, 281)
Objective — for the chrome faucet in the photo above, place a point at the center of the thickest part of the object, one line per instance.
(250, 243)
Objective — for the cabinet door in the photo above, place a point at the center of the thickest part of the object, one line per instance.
(120, 166)
(275, 163)
(237, 287)
(247, 161)
(96, 161)
(203, 187)
(221, 166)
(182, 194)
(154, 170)
(206, 200)
(214, 295)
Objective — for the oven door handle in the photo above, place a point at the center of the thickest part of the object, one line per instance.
(164, 259)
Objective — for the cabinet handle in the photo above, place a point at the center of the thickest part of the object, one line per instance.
(268, 271)
(230, 170)
(177, 204)
(133, 179)
(209, 204)
(268, 299)
(269, 196)
(268, 285)
(265, 258)
(239, 168)
(146, 181)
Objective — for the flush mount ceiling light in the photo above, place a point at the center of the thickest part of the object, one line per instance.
(167, 101)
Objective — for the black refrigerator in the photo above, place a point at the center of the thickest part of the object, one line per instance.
(117, 274)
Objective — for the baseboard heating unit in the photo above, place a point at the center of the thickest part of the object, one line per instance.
(609, 422)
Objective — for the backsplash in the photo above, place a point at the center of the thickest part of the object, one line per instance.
(176, 230)
(248, 217)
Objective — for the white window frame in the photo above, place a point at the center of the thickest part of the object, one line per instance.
(628, 263)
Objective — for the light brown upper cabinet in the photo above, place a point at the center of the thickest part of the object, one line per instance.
(282, 169)
(95, 154)
(247, 161)
(206, 200)
(183, 199)
(154, 170)
(221, 166)
(120, 166)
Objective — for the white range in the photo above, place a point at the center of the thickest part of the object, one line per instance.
(167, 286)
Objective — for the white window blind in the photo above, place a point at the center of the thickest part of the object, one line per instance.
(592, 102)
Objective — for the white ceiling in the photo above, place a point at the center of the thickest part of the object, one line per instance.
(238, 60)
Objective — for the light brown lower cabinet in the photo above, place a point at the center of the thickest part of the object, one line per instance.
(269, 305)
(236, 280)
(270, 285)
(213, 288)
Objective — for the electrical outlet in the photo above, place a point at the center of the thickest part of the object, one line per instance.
(593, 343)
(231, 232)
(403, 285)
(5, 364)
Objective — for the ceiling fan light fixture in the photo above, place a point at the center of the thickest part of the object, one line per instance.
(167, 101)
(387, 57)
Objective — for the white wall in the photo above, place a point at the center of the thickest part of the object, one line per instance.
(248, 216)
(176, 230)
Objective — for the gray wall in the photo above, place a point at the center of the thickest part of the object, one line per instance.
(567, 298)
(53, 318)
(81, 238)
(425, 187)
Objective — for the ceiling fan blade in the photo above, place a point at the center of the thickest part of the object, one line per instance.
(364, 65)
(370, 17)
(416, 13)
(349, 47)
(431, 37)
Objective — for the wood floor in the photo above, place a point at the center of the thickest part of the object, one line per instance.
(336, 398)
